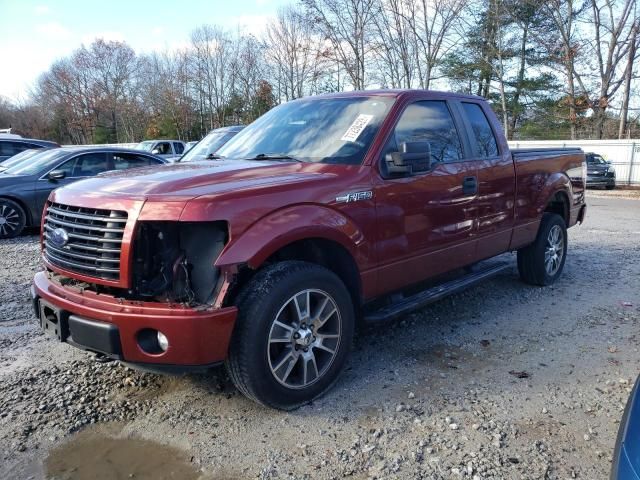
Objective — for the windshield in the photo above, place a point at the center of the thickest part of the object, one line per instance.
(146, 146)
(208, 145)
(330, 130)
(596, 160)
(19, 157)
(36, 163)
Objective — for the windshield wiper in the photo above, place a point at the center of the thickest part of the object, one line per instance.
(274, 156)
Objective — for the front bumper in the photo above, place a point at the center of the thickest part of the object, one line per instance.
(600, 180)
(111, 326)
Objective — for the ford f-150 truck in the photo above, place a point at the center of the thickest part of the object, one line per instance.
(325, 213)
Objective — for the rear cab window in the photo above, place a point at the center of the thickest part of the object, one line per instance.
(483, 139)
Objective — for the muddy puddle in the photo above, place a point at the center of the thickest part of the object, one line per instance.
(93, 456)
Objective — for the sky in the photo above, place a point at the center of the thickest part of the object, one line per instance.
(33, 34)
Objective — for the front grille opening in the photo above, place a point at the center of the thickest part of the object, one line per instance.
(92, 239)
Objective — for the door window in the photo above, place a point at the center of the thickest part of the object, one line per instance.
(164, 148)
(87, 165)
(485, 140)
(178, 148)
(430, 121)
(124, 161)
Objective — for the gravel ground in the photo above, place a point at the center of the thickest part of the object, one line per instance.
(503, 381)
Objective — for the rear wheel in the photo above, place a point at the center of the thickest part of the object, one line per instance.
(12, 218)
(292, 336)
(611, 187)
(542, 262)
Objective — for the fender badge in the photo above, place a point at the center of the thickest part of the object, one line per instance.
(355, 196)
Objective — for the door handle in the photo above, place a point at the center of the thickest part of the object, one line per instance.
(470, 185)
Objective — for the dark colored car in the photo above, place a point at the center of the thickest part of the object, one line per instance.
(325, 213)
(206, 148)
(600, 173)
(25, 186)
(11, 145)
(626, 456)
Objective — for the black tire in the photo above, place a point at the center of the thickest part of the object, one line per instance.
(268, 297)
(531, 259)
(12, 218)
(610, 187)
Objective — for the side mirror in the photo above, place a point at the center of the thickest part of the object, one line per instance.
(56, 175)
(155, 151)
(413, 157)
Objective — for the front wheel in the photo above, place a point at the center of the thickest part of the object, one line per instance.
(293, 334)
(12, 218)
(542, 262)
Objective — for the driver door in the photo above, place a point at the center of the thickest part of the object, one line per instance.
(426, 221)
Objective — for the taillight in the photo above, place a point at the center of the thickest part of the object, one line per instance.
(584, 173)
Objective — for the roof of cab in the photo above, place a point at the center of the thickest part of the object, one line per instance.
(398, 92)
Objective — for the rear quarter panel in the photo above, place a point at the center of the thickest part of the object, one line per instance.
(539, 176)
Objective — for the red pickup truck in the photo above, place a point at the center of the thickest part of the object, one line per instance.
(325, 213)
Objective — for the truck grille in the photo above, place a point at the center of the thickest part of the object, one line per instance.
(86, 240)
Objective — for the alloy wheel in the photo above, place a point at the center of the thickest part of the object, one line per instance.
(304, 338)
(554, 250)
(9, 220)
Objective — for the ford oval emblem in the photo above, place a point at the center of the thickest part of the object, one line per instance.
(59, 237)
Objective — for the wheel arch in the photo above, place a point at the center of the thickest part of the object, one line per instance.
(559, 203)
(309, 233)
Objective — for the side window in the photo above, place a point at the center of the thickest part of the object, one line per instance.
(123, 161)
(164, 148)
(20, 147)
(86, 165)
(6, 148)
(486, 144)
(178, 148)
(430, 121)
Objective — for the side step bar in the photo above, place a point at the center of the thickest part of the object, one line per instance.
(433, 294)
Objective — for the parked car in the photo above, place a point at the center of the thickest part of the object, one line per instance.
(11, 145)
(626, 456)
(209, 145)
(25, 186)
(168, 149)
(190, 145)
(600, 173)
(325, 212)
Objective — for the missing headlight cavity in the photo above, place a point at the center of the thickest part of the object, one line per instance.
(175, 261)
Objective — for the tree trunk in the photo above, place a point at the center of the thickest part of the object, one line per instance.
(628, 73)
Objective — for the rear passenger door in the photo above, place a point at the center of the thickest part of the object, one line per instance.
(496, 179)
(426, 220)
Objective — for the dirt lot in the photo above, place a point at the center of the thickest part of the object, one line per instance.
(503, 381)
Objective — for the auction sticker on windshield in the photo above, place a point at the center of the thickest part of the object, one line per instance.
(356, 128)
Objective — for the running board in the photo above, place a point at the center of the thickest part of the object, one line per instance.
(433, 294)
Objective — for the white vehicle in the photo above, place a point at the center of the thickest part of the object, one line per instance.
(170, 150)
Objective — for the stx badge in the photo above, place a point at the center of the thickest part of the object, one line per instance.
(355, 196)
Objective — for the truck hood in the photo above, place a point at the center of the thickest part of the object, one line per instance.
(194, 179)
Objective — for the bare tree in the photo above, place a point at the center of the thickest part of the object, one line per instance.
(634, 40)
(611, 42)
(293, 52)
(347, 25)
